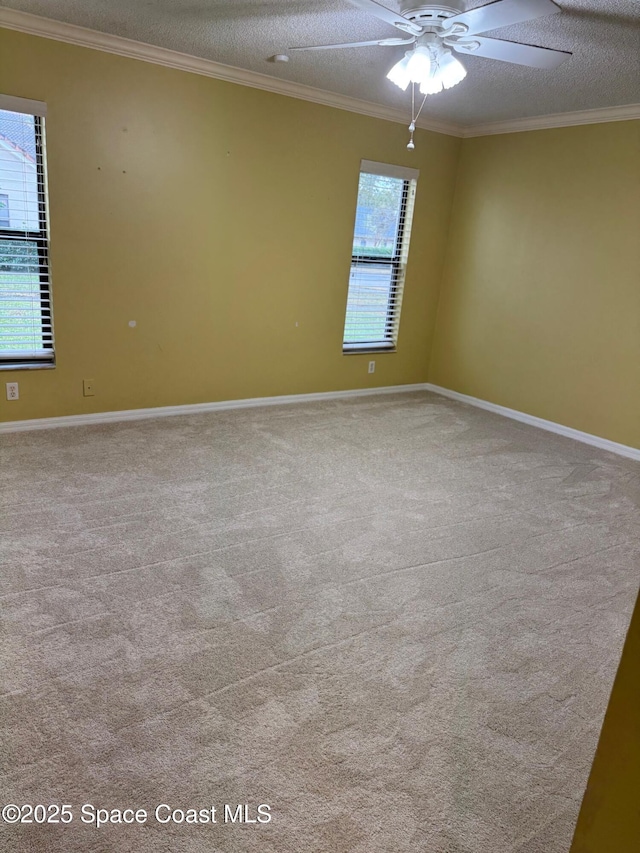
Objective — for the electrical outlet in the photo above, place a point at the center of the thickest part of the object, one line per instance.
(88, 387)
(372, 367)
(12, 391)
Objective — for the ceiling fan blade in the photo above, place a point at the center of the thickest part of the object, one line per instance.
(378, 42)
(511, 51)
(387, 15)
(502, 13)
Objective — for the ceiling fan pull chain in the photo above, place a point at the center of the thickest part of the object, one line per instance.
(414, 116)
(412, 126)
(420, 110)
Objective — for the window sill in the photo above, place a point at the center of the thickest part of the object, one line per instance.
(25, 365)
(368, 348)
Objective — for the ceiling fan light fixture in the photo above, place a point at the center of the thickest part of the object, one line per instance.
(431, 86)
(450, 70)
(399, 74)
(414, 67)
(446, 71)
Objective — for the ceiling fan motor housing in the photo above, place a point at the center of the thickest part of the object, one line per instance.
(430, 15)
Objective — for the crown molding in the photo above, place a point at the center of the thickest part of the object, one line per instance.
(13, 19)
(623, 113)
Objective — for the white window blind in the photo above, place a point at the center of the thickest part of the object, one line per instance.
(26, 323)
(381, 233)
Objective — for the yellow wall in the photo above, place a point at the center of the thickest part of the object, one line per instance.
(219, 216)
(609, 820)
(216, 216)
(540, 302)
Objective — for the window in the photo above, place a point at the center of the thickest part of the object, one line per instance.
(26, 328)
(379, 256)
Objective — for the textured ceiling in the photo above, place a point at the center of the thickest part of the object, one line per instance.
(604, 36)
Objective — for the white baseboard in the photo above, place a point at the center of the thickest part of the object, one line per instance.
(198, 408)
(531, 420)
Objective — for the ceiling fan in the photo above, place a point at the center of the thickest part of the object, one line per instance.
(433, 31)
(459, 29)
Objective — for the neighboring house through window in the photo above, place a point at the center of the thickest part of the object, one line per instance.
(381, 235)
(26, 327)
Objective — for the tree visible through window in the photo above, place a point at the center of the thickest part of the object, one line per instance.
(26, 330)
(379, 256)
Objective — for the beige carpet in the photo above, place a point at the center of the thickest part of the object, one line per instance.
(393, 619)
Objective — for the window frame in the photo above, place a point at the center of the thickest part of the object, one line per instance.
(397, 262)
(37, 110)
